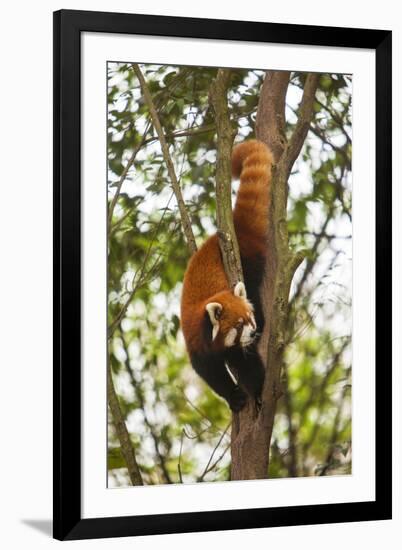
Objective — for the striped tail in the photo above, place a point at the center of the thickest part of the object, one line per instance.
(252, 161)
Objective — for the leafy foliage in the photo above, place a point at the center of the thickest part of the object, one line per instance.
(179, 428)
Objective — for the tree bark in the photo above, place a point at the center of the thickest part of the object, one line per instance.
(122, 433)
(223, 177)
(251, 433)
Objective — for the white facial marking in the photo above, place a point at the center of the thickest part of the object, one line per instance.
(215, 331)
(230, 337)
(248, 333)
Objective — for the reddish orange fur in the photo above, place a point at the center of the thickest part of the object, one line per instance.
(205, 280)
(250, 214)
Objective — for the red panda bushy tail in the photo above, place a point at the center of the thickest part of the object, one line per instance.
(251, 154)
(252, 161)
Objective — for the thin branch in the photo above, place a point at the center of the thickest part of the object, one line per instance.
(145, 141)
(303, 122)
(320, 391)
(292, 432)
(179, 461)
(138, 390)
(137, 283)
(325, 139)
(198, 435)
(320, 133)
(122, 432)
(188, 232)
(195, 131)
(328, 465)
(214, 464)
(311, 260)
(277, 454)
(203, 416)
(130, 162)
(225, 135)
(337, 119)
(324, 235)
(207, 467)
(113, 228)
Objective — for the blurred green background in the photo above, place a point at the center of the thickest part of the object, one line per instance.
(179, 429)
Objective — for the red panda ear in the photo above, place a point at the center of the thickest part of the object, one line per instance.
(214, 310)
(240, 290)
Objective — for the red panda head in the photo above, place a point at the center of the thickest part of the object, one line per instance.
(232, 318)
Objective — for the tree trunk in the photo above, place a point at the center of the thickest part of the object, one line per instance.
(251, 432)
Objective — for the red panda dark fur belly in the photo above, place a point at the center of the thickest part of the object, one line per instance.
(205, 281)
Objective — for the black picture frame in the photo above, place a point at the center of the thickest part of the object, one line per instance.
(68, 27)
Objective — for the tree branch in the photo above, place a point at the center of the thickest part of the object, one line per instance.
(137, 282)
(123, 177)
(319, 391)
(336, 118)
(225, 135)
(292, 432)
(179, 461)
(210, 466)
(270, 124)
(328, 465)
(303, 122)
(188, 232)
(189, 132)
(122, 432)
(138, 391)
(195, 130)
(250, 448)
(311, 262)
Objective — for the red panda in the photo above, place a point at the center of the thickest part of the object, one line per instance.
(221, 325)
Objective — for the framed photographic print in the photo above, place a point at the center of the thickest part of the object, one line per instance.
(222, 274)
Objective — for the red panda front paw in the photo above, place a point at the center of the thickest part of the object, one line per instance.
(238, 399)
